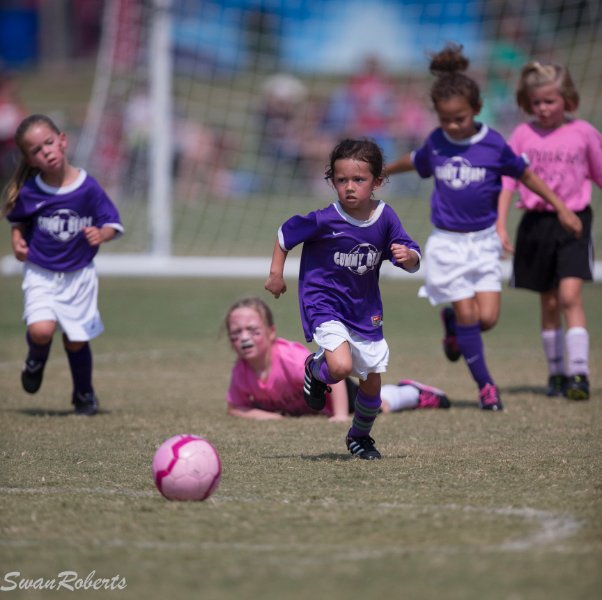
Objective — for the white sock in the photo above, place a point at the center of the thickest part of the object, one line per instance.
(553, 348)
(400, 397)
(577, 351)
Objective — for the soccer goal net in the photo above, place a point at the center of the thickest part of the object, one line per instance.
(211, 121)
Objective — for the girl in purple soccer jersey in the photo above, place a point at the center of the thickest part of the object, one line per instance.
(344, 246)
(59, 217)
(467, 160)
(567, 154)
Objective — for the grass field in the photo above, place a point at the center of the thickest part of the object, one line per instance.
(464, 505)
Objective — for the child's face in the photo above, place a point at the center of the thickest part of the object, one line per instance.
(43, 148)
(354, 184)
(456, 117)
(249, 336)
(547, 106)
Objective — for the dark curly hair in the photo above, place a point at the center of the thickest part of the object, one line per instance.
(366, 150)
(448, 66)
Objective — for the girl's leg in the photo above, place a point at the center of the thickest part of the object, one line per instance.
(39, 339)
(331, 367)
(79, 355)
(552, 339)
(367, 406)
(576, 338)
(485, 310)
(470, 342)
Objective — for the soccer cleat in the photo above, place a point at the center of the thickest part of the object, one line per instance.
(577, 387)
(556, 384)
(362, 447)
(85, 403)
(32, 374)
(489, 397)
(314, 390)
(428, 397)
(450, 344)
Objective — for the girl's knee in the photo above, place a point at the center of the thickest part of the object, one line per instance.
(488, 322)
(41, 333)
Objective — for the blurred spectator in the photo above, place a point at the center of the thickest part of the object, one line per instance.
(365, 107)
(413, 119)
(507, 53)
(137, 120)
(201, 161)
(280, 122)
(12, 112)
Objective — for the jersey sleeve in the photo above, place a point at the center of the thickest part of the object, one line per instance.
(297, 230)
(421, 161)
(594, 154)
(106, 212)
(400, 236)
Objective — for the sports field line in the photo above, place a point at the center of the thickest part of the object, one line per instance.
(114, 357)
(550, 528)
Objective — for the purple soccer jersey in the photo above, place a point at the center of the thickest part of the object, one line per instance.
(340, 265)
(55, 217)
(468, 177)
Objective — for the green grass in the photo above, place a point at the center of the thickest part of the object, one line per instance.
(464, 505)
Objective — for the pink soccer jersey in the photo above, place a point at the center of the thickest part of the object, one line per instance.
(568, 159)
(283, 390)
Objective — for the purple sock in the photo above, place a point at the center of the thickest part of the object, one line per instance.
(366, 409)
(80, 363)
(38, 352)
(321, 372)
(470, 343)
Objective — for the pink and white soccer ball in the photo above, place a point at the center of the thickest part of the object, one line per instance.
(186, 467)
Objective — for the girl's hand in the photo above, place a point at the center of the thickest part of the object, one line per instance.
(276, 285)
(20, 249)
(571, 222)
(339, 418)
(93, 235)
(403, 255)
(505, 240)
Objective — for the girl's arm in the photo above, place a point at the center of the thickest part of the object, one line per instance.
(503, 208)
(401, 165)
(568, 219)
(17, 238)
(275, 282)
(257, 414)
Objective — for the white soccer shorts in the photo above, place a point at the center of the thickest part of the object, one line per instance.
(458, 265)
(67, 298)
(367, 356)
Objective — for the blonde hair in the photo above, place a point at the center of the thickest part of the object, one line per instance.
(257, 304)
(536, 74)
(23, 171)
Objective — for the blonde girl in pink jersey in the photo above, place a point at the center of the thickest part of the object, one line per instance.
(567, 154)
(266, 382)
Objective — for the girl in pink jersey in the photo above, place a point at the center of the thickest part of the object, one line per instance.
(267, 377)
(567, 154)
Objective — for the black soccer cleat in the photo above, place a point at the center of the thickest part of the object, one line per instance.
(577, 387)
(556, 385)
(362, 447)
(314, 390)
(32, 375)
(85, 403)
